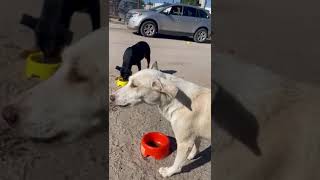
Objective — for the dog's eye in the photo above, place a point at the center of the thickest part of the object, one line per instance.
(133, 85)
(74, 76)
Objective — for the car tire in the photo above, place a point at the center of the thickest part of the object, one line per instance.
(200, 35)
(148, 29)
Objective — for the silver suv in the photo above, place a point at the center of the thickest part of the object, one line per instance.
(171, 19)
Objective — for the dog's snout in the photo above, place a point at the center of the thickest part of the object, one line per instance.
(10, 114)
(112, 98)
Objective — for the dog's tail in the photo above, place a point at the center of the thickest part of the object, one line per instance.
(118, 68)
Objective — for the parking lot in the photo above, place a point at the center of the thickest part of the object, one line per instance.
(189, 60)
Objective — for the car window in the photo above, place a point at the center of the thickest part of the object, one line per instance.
(189, 11)
(202, 14)
(167, 10)
(157, 8)
(176, 10)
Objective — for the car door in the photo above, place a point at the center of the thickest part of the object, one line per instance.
(188, 20)
(169, 19)
(204, 19)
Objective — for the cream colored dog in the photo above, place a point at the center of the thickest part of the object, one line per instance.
(286, 127)
(72, 101)
(186, 105)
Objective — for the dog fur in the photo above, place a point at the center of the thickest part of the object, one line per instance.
(186, 105)
(266, 126)
(133, 56)
(55, 19)
(72, 101)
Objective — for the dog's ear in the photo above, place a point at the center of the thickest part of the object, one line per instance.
(164, 86)
(154, 66)
(118, 68)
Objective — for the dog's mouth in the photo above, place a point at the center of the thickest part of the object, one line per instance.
(124, 105)
(114, 107)
(56, 138)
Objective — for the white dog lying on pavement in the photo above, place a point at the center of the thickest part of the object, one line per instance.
(186, 105)
(72, 101)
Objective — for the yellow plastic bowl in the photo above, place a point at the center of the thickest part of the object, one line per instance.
(39, 69)
(120, 82)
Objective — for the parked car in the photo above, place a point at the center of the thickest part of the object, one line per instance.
(171, 19)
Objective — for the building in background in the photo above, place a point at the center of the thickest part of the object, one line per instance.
(119, 8)
(113, 8)
(157, 4)
(203, 3)
(208, 9)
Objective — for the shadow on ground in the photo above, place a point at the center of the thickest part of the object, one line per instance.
(181, 38)
(173, 144)
(169, 71)
(240, 124)
(201, 158)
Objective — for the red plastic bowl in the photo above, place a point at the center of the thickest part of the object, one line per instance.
(155, 144)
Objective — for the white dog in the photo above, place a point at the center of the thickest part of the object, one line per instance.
(186, 105)
(286, 129)
(72, 100)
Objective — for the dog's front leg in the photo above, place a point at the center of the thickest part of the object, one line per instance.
(182, 153)
(94, 12)
(195, 149)
(148, 60)
(139, 66)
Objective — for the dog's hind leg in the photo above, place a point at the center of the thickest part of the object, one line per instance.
(195, 149)
(182, 152)
(66, 18)
(148, 59)
(94, 12)
(139, 66)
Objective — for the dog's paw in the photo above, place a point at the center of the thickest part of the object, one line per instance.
(191, 156)
(168, 171)
(164, 171)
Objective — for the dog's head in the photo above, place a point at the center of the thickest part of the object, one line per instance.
(146, 86)
(51, 40)
(70, 102)
(124, 72)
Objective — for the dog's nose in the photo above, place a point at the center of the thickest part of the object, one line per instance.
(112, 98)
(10, 114)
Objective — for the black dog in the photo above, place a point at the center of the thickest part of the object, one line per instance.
(133, 56)
(52, 29)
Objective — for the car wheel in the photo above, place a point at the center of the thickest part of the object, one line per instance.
(148, 29)
(200, 35)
